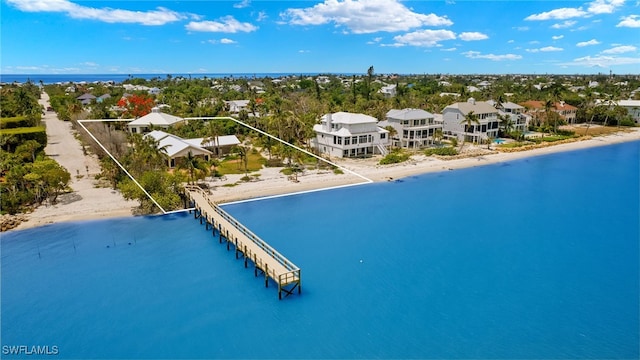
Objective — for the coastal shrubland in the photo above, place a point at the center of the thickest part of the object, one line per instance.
(395, 156)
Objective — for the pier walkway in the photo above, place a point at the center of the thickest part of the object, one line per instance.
(265, 259)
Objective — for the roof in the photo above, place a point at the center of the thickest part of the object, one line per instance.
(536, 104)
(174, 145)
(409, 114)
(225, 140)
(342, 117)
(478, 107)
(86, 96)
(632, 103)
(158, 118)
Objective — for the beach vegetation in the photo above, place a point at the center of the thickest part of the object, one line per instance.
(442, 151)
(395, 156)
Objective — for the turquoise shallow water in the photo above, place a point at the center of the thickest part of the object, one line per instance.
(536, 258)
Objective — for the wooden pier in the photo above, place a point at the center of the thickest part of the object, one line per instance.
(265, 259)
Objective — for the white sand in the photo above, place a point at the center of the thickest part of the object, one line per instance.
(88, 202)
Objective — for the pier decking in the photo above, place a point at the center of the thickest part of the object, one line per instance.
(264, 258)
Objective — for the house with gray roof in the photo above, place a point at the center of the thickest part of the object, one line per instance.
(86, 99)
(176, 147)
(344, 134)
(154, 119)
(513, 112)
(454, 121)
(414, 128)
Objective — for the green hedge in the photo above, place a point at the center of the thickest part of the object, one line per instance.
(14, 122)
(37, 133)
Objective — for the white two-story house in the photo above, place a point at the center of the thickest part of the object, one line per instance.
(344, 134)
(415, 128)
(455, 125)
(514, 112)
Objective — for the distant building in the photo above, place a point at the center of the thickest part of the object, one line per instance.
(344, 134)
(388, 91)
(86, 99)
(235, 106)
(415, 128)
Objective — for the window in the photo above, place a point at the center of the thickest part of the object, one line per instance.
(370, 138)
(423, 121)
(347, 140)
(383, 136)
(335, 140)
(405, 133)
(354, 140)
(405, 122)
(362, 139)
(339, 140)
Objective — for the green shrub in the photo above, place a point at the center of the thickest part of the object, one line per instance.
(397, 156)
(15, 122)
(444, 151)
(37, 133)
(627, 122)
(337, 171)
(287, 171)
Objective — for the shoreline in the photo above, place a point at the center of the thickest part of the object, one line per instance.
(271, 183)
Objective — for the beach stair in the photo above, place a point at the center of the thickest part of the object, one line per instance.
(383, 150)
(248, 246)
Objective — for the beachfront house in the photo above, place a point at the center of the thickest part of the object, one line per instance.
(414, 128)
(154, 119)
(632, 107)
(344, 134)
(221, 145)
(513, 112)
(175, 147)
(388, 91)
(455, 125)
(536, 109)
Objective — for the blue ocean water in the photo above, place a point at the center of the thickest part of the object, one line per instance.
(118, 78)
(536, 258)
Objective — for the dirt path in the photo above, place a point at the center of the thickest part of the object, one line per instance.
(86, 201)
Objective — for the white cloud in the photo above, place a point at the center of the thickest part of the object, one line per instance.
(534, 42)
(632, 21)
(593, 8)
(588, 43)
(227, 41)
(478, 55)
(227, 24)
(363, 16)
(425, 38)
(603, 61)
(472, 36)
(510, 41)
(545, 49)
(604, 6)
(521, 28)
(304, 51)
(550, 48)
(262, 16)
(564, 24)
(558, 37)
(449, 49)
(558, 14)
(620, 49)
(242, 4)
(374, 41)
(160, 16)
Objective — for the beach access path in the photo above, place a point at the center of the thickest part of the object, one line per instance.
(86, 201)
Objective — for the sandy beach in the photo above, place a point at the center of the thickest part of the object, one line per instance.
(89, 201)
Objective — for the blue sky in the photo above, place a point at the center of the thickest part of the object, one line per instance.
(338, 36)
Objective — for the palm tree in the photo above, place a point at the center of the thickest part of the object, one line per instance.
(212, 133)
(194, 165)
(438, 135)
(470, 120)
(242, 153)
(392, 133)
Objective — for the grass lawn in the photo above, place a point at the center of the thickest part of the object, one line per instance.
(233, 164)
(596, 130)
